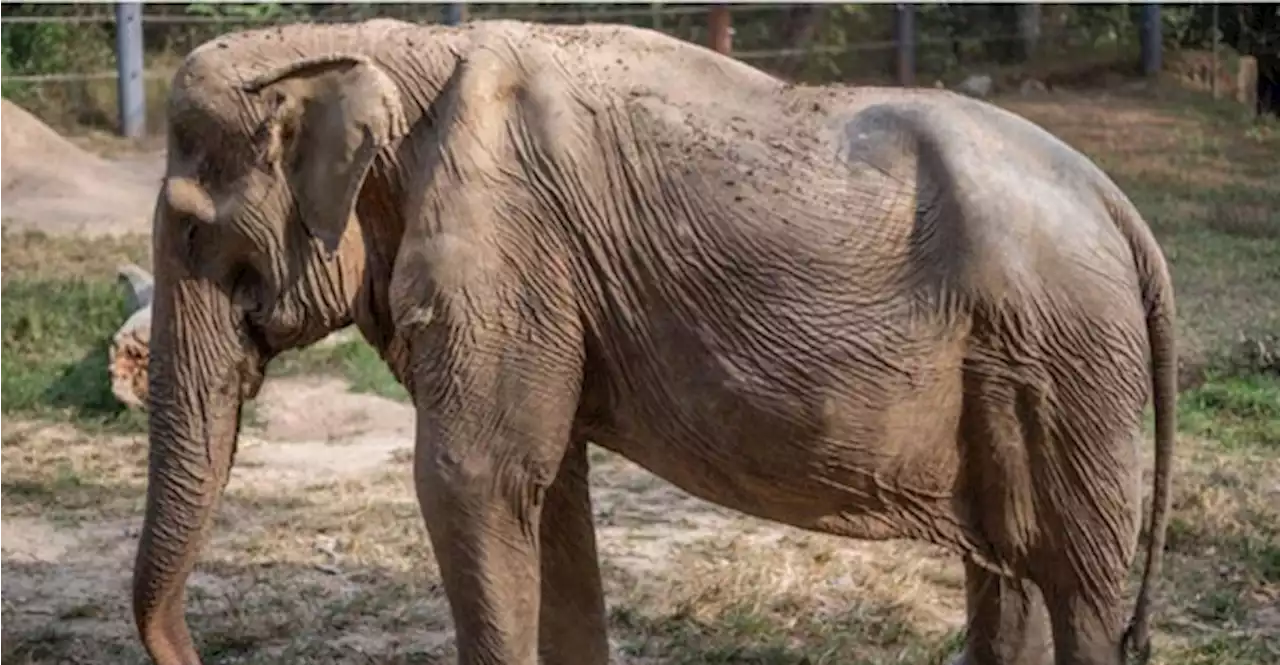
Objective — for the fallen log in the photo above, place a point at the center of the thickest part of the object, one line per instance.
(129, 353)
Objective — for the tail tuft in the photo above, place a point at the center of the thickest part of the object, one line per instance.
(1135, 646)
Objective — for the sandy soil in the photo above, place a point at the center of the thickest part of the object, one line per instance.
(52, 185)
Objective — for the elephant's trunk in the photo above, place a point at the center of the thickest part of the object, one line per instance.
(200, 364)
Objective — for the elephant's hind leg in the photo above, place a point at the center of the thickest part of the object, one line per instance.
(1007, 620)
(572, 627)
(1054, 479)
(1008, 624)
(1057, 504)
(1090, 499)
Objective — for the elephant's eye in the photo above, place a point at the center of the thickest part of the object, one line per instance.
(288, 139)
(262, 133)
(189, 239)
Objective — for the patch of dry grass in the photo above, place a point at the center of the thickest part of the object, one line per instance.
(32, 256)
(58, 471)
(789, 597)
(340, 570)
(1221, 592)
(322, 572)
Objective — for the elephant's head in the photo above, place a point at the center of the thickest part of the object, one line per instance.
(256, 250)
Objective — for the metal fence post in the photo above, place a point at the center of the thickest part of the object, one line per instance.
(455, 13)
(1150, 42)
(720, 27)
(905, 36)
(131, 92)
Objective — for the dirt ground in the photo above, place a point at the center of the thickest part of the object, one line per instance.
(320, 504)
(51, 184)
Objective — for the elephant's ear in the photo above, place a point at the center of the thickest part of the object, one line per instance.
(331, 116)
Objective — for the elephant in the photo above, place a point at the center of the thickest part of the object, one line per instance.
(873, 312)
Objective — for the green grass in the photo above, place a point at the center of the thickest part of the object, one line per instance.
(353, 360)
(62, 304)
(55, 338)
(56, 334)
(1234, 411)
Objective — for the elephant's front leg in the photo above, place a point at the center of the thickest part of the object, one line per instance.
(493, 427)
(572, 626)
(482, 517)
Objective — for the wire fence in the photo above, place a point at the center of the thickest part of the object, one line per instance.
(73, 80)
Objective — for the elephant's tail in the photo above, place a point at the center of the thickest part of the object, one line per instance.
(1157, 297)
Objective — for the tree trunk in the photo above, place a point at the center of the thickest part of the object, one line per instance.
(798, 31)
(1267, 99)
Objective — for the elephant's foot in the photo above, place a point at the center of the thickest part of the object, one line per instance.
(1008, 622)
(963, 658)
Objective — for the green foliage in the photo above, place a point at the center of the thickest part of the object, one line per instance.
(254, 12)
(353, 360)
(50, 48)
(55, 337)
(54, 48)
(1237, 411)
(1249, 29)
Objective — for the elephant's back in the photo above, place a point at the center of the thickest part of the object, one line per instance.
(608, 65)
(1005, 210)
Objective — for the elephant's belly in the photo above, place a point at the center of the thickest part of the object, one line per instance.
(861, 463)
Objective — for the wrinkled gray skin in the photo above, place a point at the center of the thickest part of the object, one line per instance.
(877, 313)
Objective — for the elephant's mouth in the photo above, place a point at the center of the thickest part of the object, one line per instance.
(253, 372)
(252, 382)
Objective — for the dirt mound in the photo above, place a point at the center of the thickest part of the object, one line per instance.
(51, 185)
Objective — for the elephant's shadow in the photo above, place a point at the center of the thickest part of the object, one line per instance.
(49, 619)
